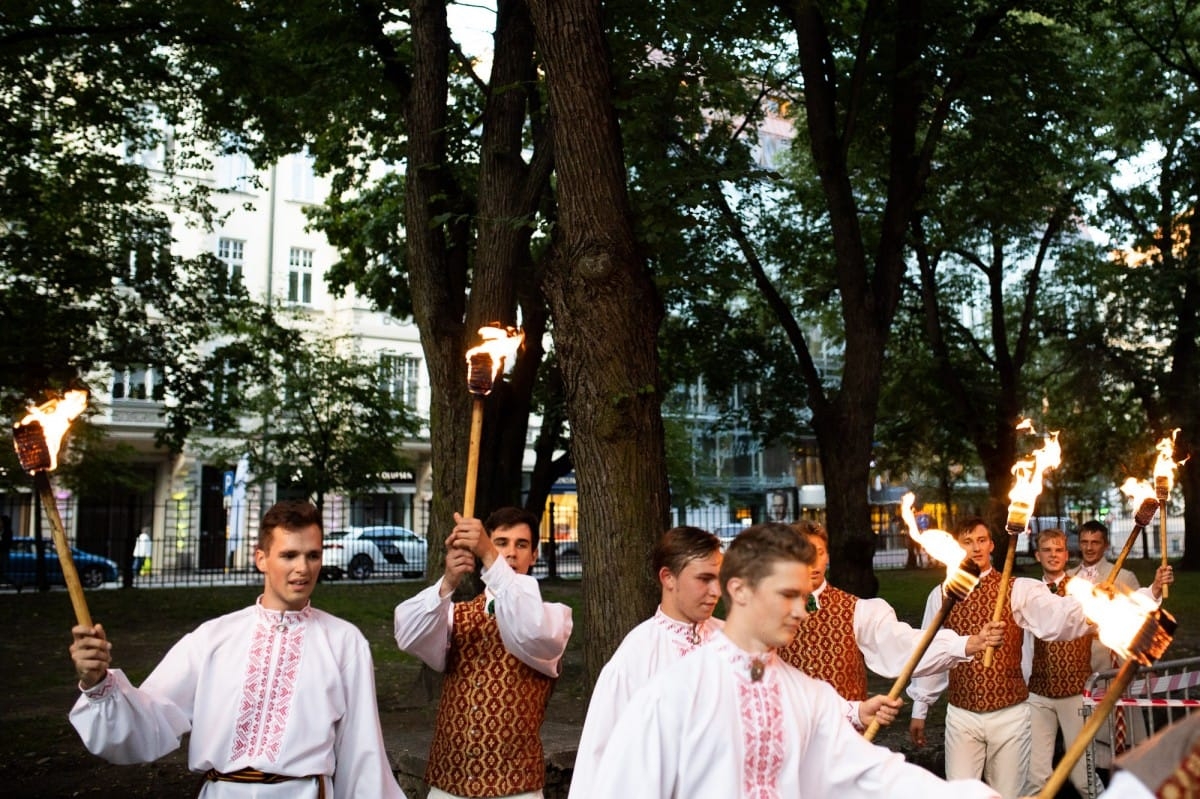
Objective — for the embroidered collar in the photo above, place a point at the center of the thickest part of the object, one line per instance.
(283, 620)
(747, 666)
(693, 633)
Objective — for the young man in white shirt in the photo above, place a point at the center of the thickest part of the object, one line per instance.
(277, 694)
(687, 561)
(732, 720)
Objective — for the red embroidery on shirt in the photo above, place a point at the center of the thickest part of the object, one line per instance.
(269, 686)
(683, 635)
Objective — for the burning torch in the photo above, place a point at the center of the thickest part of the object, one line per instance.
(959, 583)
(1135, 630)
(37, 439)
(1023, 496)
(1164, 476)
(485, 363)
(1142, 495)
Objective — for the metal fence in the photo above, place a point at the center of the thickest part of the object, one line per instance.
(199, 540)
(1159, 695)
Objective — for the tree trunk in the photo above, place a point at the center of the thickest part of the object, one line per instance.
(606, 317)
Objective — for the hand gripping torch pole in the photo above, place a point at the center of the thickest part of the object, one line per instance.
(957, 587)
(1141, 519)
(1018, 520)
(32, 450)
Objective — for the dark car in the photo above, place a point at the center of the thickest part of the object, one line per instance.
(21, 568)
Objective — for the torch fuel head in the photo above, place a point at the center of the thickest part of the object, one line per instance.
(29, 440)
(1018, 517)
(480, 375)
(1145, 512)
(1153, 638)
(1162, 487)
(962, 581)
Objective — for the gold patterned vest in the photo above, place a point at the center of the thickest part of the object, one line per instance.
(1060, 668)
(486, 739)
(973, 687)
(825, 647)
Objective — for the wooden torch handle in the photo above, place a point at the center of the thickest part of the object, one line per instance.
(1115, 688)
(1002, 597)
(41, 481)
(918, 653)
(473, 458)
(1162, 543)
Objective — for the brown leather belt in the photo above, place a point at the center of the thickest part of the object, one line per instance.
(254, 775)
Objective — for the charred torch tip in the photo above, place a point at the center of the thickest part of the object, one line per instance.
(480, 375)
(1145, 512)
(1153, 638)
(963, 580)
(1162, 487)
(29, 440)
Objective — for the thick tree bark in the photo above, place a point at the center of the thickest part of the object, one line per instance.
(455, 293)
(606, 317)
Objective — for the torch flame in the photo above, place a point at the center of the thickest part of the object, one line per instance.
(55, 417)
(1120, 618)
(486, 361)
(1028, 484)
(1165, 465)
(940, 545)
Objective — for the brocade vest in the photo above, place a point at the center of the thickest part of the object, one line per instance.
(825, 647)
(972, 686)
(1060, 668)
(486, 739)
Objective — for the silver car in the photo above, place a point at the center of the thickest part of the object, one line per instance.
(359, 552)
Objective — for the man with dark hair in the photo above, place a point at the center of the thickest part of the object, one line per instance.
(279, 693)
(844, 635)
(500, 652)
(988, 719)
(731, 719)
(687, 562)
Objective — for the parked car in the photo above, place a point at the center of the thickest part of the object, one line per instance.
(358, 552)
(728, 532)
(21, 566)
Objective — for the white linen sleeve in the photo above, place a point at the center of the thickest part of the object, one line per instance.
(844, 764)
(1048, 617)
(887, 643)
(926, 690)
(362, 764)
(422, 625)
(534, 631)
(124, 724)
(609, 698)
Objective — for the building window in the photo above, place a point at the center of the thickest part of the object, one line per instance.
(401, 376)
(300, 267)
(137, 383)
(235, 172)
(304, 178)
(231, 252)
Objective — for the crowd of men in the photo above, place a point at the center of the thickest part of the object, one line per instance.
(279, 698)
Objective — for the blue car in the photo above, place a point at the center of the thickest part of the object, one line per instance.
(21, 568)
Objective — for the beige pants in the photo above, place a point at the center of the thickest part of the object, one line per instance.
(1047, 715)
(994, 747)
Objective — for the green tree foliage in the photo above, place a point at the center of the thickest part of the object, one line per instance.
(313, 414)
(88, 281)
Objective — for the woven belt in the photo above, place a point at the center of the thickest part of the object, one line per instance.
(254, 775)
